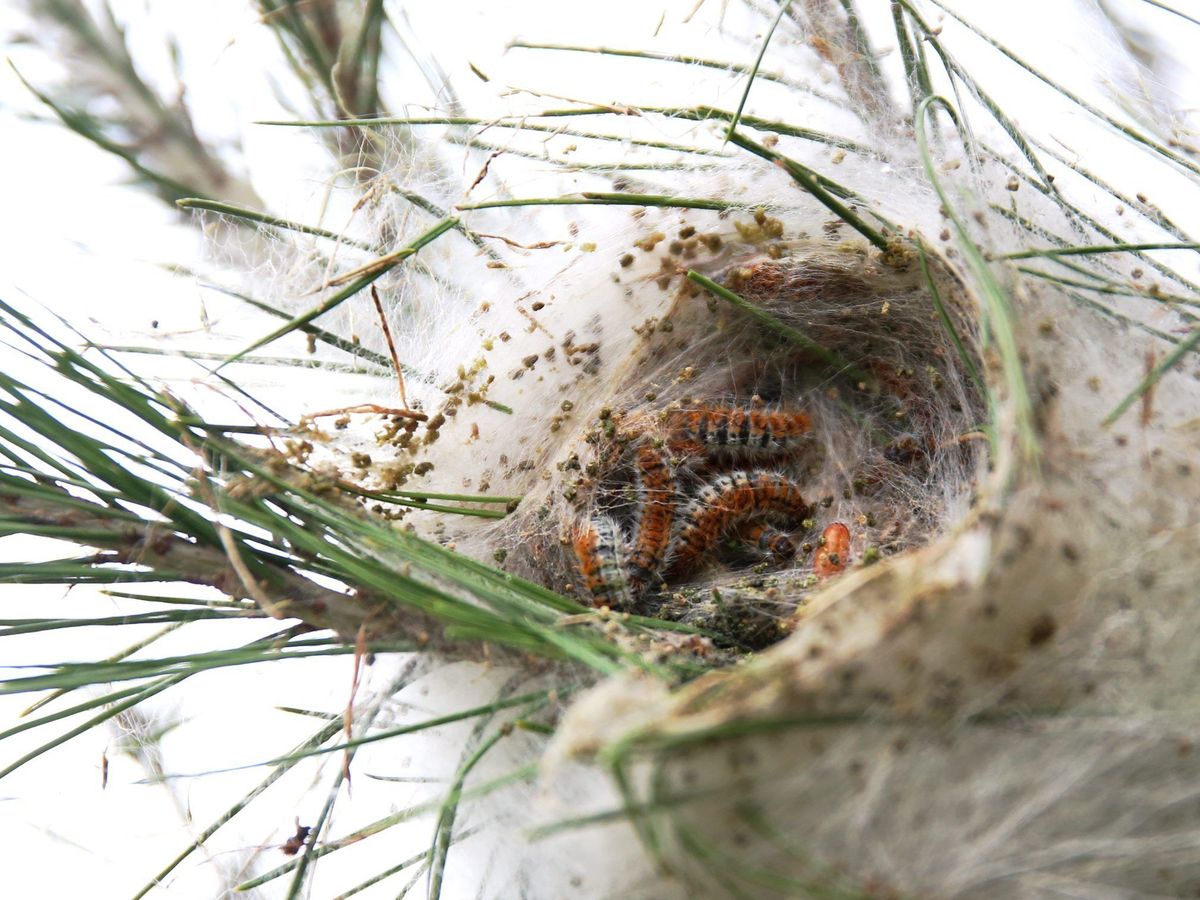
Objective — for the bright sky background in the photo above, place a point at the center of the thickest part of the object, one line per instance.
(73, 238)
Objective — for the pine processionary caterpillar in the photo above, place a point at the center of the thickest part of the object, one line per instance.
(729, 501)
(656, 512)
(600, 548)
(709, 428)
(767, 541)
(615, 571)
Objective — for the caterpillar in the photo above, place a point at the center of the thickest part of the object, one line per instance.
(655, 513)
(767, 541)
(600, 548)
(728, 501)
(616, 571)
(707, 428)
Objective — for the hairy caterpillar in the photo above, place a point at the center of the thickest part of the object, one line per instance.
(600, 548)
(656, 512)
(708, 428)
(767, 541)
(731, 500)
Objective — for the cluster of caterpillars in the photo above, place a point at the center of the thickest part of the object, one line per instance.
(674, 533)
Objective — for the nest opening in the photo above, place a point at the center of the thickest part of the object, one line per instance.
(752, 452)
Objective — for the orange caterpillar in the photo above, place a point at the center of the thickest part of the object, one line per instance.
(709, 428)
(656, 512)
(767, 541)
(834, 552)
(600, 548)
(729, 501)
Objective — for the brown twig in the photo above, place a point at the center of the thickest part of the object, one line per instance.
(154, 546)
(387, 333)
(360, 651)
(540, 245)
(414, 414)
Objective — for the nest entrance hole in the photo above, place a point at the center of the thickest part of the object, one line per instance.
(891, 446)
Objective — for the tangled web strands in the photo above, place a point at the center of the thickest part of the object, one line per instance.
(931, 390)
